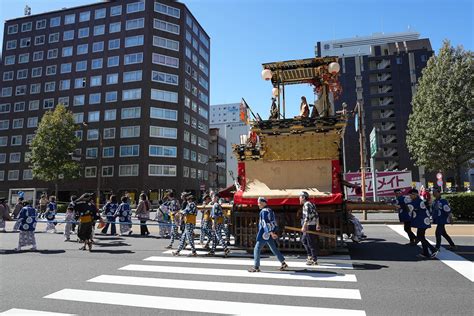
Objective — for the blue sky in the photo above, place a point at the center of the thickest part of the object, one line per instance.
(246, 33)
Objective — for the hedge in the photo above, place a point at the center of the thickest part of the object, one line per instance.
(462, 205)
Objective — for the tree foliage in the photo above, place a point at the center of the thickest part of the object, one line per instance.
(440, 133)
(51, 147)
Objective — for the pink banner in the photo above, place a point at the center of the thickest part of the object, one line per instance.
(387, 181)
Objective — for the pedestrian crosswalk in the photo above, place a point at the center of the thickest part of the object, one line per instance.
(149, 284)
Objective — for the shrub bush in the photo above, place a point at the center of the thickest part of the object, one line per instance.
(462, 205)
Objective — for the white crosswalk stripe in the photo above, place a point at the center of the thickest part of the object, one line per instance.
(230, 287)
(194, 305)
(285, 275)
(249, 262)
(25, 312)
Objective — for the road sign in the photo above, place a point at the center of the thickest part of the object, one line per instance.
(439, 183)
(373, 143)
(439, 176)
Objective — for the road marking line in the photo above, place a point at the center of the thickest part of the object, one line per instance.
(247, 262)
(449, 258)
(352, 294)
(193, 305)
(24, 312)
(247, 255)
(286, 275)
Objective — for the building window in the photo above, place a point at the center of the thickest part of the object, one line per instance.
(8, 76)
(162, 170)
(68, 35)
(27, 174)
(110, 115)
(163, 132)
(129, 131)
(51, 70)
(165, 60)
(133, 41)
(39, 40)
(13, 175)
(111, 96)
(94, 98)
(91, 153)
(36, 72)
(13, 29)
(37, 56)
(70, 19)
(186, 172)
(100, 13)
(9, 60)
(67, 51)
(17, 123)
(193, 173)
(32, 122)
(107, 171)
(131, 94)
(7, 92)
(135, 24)
(132, 76)
(15, 157)
(64, 85)
(399, 60)
(163, 95)
(162, 151)
(109, 133)
(166, 26)
(186, 153)
(48, 103)
(114, 27)
(97, 63)
(136, 6)
(84, 16)
(164, 77)
(131, 113)
(90, 172)
(129, 151)
(22, 74)
(5, 108)
(16, 140)
(424, 58)
(114, 44)
(4, 125)
(93, 116)
(66, 68)
(96, 81)
(53, 38)
(81, 65)
(79, 100)
(35, 88)
(135, 58)
(20, 90)
(64, 101)
(82, 49)
(116, 10)
(163, 114)
(41, 24)
(108, 152)
(78, 118)
(112, 79)
(83, 32)
(3, 143)
(26, 27)
(23, 58)
(52, 53)
(55, 22)
(97, 47)
(92, 134)
(165, 43)
(128, 170)
(167, 10)
(113, 61)
(19, 107)
(80, 83)
(33, 105)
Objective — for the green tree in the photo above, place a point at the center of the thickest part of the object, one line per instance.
(440, 133)
(51, 147)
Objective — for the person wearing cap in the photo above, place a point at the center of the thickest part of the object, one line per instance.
(124, 213)
(50, 214)
(400, 202)
(87, 214)
(266, 234)
(189, 214)
(309, 222)
(175, 216)
(27, 225)
(205, 222)
(442, 215)
(420, 218)
(4, 214)
(70, 215)
(217, 216)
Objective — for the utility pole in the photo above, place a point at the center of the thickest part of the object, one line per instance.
(360, 116)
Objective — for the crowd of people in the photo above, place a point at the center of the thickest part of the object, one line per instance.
(418, 211)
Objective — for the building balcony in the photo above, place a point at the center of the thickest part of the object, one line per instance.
(389, 139)
(391, 165)
(389, 152)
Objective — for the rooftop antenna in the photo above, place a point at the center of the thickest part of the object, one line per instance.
(27, 10)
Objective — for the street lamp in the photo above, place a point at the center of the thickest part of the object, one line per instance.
(99, 166)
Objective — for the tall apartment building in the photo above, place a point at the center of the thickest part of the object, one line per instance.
(217, 160)
(381, 71)
(137, 71)
(226, 117)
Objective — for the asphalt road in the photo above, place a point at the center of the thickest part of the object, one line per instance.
(380, 276)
